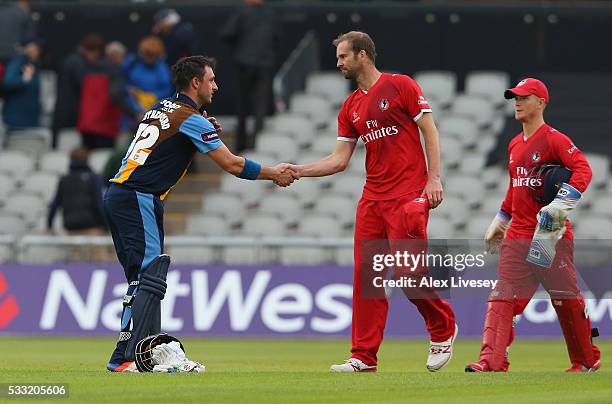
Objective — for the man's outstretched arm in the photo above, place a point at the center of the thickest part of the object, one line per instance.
(332, 164)
(249, 169)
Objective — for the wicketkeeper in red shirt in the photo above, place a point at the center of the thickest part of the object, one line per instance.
(548, 175)
(386, 113)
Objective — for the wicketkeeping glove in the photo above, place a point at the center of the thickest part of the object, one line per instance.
(496, 232)
(553, 216)
(551, 226)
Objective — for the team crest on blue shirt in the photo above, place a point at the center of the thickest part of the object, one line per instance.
(383, 104)
(535, 156)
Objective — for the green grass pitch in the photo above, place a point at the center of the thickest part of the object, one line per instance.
(296, 371)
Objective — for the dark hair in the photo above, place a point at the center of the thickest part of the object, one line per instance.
(360, 41)
(187, 68)
(92, 43)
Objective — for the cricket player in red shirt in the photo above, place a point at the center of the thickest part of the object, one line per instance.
(386, 113)
(523, 265)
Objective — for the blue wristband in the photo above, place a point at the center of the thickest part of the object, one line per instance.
(251, 170)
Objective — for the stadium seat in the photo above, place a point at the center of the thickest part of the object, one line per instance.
(29, 205)
(600, 205)
(6, 254)
(342, 207)
(357, 163)
(484, 143)
(439, 227)
(593, 227)
(491, 203)
(330, 85)
(495, 176)
(490, 84)
(476, 227)
(301, 128)
(230, 206)
(305, 255)
(600, 165)
(324, 143)
(472, 164)
(451, 150)
(207, 224)
(68, 139)
(461, 127)
(287, 207)
(263, 224)
(55, 161)
(98, 159)
(193, 255)
(31, 141)
(315, 107)
(15, 164)
(42, 183)
(12, 223)
(440, 85)
(350, 184)
(344, 256)
(7, 186)
(306, 190)
(468, 187)
(43, 254)
(249, 191)
(453, 208)
(283, 147)
(267, 159)
(319, 225)
(476, 107)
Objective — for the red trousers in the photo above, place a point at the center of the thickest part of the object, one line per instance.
(383, 227)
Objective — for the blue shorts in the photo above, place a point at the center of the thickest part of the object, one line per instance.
(136, 222)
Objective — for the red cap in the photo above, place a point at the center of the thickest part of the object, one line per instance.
(526, 87)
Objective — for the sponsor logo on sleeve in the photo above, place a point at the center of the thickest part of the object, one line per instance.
(209, 136)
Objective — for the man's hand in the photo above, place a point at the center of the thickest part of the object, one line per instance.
(296, 169)
(28, 73)
(284, 175)
(433, 191)
(496, 232)
(214, 122)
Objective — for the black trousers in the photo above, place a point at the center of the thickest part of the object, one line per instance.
(254, 97)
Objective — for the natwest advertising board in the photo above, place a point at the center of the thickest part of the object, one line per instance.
(221, 300)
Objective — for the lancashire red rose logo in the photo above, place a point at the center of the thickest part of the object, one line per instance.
(9, 309)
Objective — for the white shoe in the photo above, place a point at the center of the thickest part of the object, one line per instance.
(440, 353)
(352, 365)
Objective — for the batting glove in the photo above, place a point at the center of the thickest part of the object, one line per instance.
(496, 232)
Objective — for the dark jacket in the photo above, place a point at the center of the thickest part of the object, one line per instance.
(79, 195)
(21, 99)
(179, 42)
(69, 82)
(253, 33)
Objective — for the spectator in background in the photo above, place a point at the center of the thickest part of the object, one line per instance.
(79, 196)
(21, 108)
(16, 25)
(147, 75)
(72, 71)
(103, 98)
(253, 35)
(178, 36)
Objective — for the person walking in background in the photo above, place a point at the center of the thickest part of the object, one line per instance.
(178, 36)
(147, 75)
(70, 77)
(253, 35)
(79, 196)
(21, 84)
